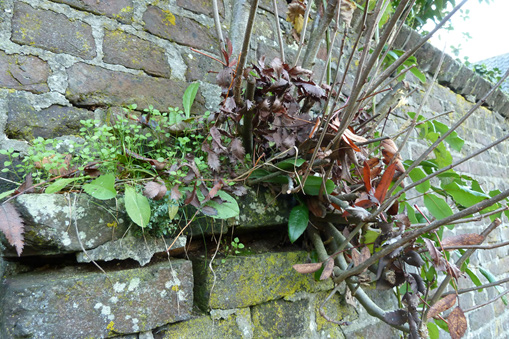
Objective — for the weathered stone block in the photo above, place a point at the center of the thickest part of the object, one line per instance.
(221, 324)
(50, 221)
(121, 10)
(51, 122)
(281, 319)
(334, 309)
(129, 50)
(24, 72)
(258, 209)
(181, 30)
(202, 6)
(91, 85)
(52, 31)
(74, 303)
(139, 249)
(251, 280)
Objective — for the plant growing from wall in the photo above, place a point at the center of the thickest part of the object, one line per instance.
(153, 158)
(324, 143)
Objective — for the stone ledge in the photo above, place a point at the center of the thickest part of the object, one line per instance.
(73, 303)
(243, 281)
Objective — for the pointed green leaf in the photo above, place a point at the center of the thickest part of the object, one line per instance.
(433, 331)
(59, 184)
(418, 74)
(6, 194)
(491, 278)
(297, 222)
(189, 96)
(437, 206)
(137, 206)
(172, 210)
(312, 185)
(289, 164)
(464, 195)
(102, 188)
(474, 278)
(417, 174)
(226, 210)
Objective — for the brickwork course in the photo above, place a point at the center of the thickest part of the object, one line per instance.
(63, 61)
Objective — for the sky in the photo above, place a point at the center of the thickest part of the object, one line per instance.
(488, 26)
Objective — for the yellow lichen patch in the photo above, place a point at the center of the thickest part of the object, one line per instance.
(169, 18)
(112, 224)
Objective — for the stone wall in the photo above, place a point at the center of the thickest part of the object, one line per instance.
(66, 60)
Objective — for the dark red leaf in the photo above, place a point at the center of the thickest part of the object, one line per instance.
(366, 176)
(154, 190)
(398, 317)
(385, 182)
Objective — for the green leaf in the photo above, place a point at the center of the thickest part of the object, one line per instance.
(452, 139)
(137, 206)
(442, 324)
(437, 206)
(491, 278)
(312, 185)
(289, 164)
(369, 238)
(278, 179)
(418, 74)
(417, 174)
(464, 195)
(474, 278)
(102, 188)
(6, 194)
(188, 99)
(172, 210)
(226, 210)
(297, 222)
(59, 184)
(433, 331)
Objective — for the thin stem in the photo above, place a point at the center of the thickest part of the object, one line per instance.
(487, 303)
(460, 261)
(477, 247)
(278, 30)
(217, 23)
(475, 288)
(245, 48)
(410, 236)
(303, 32)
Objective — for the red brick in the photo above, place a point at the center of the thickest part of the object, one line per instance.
(23, 72)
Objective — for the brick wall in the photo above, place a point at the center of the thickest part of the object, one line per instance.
(67, 60)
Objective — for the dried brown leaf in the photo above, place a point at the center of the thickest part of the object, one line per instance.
(175, 193)
(359, 258)
(307, 268)
(154, 190)
(457, 323)
(463, 239)
(435, 254)
(295, 15)
(327, 269)
(12, 226)
(442, 305)
(347, 9)
(26, 186)
(237, 149)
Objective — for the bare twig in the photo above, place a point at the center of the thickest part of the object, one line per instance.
(475, 288)
(217, 23)
(245, 49)
(487, 303)
(278, 30)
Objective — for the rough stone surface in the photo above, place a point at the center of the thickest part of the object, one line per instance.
(179, 29)
(121, 10)
(50, 221)
(91, 85)
(251, 280)
(74, 303)
(51, 122)
(52, 31)
(280, 318)
(202, 6)
(258, 209)
(139, 249)
(206, 326)
(129, 50)
(23, 72)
